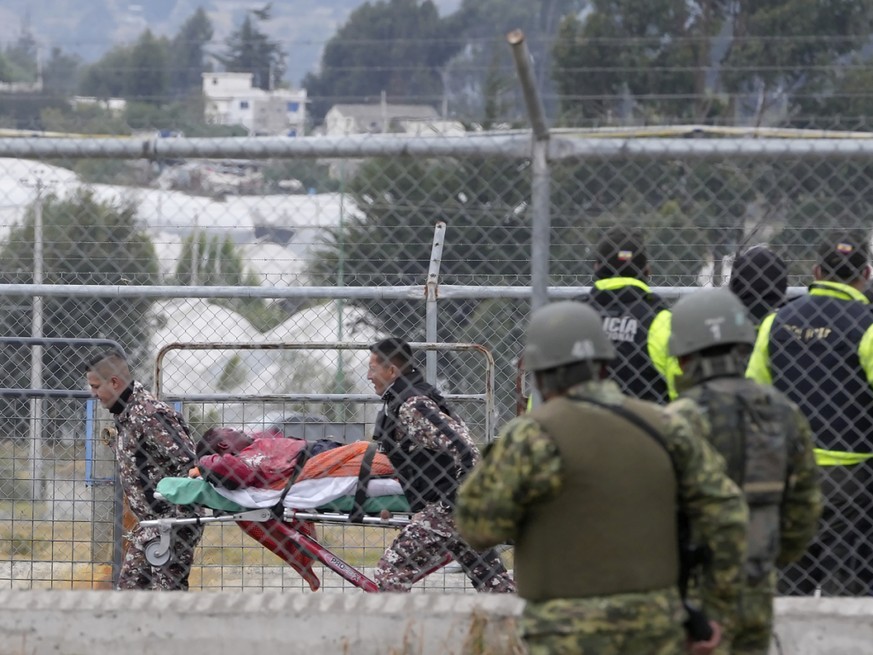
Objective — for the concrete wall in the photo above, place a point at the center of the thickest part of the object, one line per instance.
(814, 626)
(233, 623)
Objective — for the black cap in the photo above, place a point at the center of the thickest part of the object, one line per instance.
(398, 351)
(843, 257)
(759, 278)
(621, 253)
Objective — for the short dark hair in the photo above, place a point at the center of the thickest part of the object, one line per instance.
(394, 350)
(621, 252)
(220, 441)
(843, 256)
(109, 360)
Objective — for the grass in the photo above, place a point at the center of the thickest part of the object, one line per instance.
(41, 549)
(227, 545)
(60, 554)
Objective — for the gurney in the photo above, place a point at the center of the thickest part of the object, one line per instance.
(283, 521)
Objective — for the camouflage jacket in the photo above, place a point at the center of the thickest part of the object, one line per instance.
(417, 429)
(523, 467)
(429, 446)
(801, 502)
(152, 442)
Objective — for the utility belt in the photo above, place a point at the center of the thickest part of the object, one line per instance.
(840, 457)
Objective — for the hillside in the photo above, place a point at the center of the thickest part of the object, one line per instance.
(89, 28)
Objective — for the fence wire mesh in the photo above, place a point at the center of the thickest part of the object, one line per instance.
(231, 241)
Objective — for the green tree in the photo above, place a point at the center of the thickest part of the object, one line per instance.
(396, 46)
(153, 70)
(635, 60)
(478, 28)
(188, 54)
(85, 241)
(213, 261)
(249, 50)
(22, 110)
(148, 79)
(60, 73)
(671, 60)
(22, 57)
(816, 198)
(107, 77)
(85, 119)
(847, 104)
(793, 48)
(6, 70)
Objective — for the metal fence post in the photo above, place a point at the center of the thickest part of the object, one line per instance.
(432, 291)
(540, 200)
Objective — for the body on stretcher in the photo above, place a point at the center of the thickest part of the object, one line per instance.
(288, 532)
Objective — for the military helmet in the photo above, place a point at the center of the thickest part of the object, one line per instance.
(565, 332)
(707, 318)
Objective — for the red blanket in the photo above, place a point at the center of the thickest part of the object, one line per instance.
(269, 462)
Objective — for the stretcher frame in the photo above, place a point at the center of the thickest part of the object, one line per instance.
(157, 552)
(248, 519)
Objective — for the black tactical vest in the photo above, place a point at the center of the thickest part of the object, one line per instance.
(627, 314)
(753, 427)
(426, 475)
(814, 361)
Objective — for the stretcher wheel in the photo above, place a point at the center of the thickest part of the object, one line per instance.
(155, 555)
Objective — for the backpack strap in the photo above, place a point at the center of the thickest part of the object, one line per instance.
(302, 457)
(364, 475)
(639, 422)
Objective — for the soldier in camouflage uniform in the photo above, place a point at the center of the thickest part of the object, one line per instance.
(151, 442)
(431, 451)
(586, 485)
(765, 440)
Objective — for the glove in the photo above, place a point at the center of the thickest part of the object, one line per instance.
(708, 646)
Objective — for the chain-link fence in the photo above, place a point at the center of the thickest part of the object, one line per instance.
(430, 239)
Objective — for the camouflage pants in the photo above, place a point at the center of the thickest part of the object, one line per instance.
(631, 624)
(753, 628)
(137, 573)
(420, 546)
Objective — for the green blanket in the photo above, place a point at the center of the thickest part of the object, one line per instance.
(196, 491)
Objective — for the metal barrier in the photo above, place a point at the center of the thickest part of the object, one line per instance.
(99, 480)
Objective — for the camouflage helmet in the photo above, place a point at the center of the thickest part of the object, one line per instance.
(708, 318)
(565, 332)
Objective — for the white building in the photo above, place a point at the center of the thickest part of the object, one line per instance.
(418, 120)
(115, 106)
(231, 99)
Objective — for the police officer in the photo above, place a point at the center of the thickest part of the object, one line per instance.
(152, 441)
(759, 278)
(818, 350)
(431, 450)
(636, 320)
(764, 438)
(586, 485)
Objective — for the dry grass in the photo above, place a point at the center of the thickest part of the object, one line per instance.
(229, 546)
(39, 550)
(59, 554)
